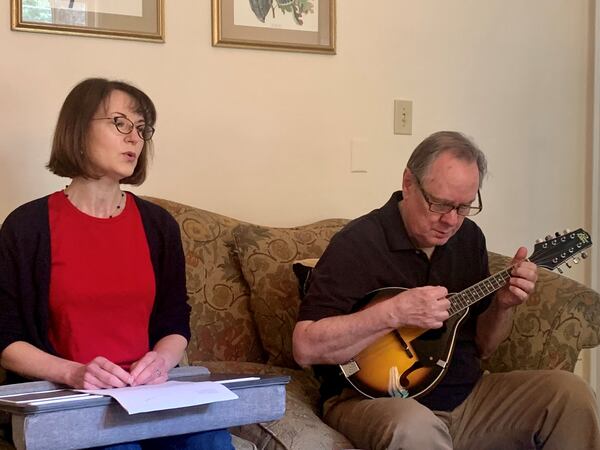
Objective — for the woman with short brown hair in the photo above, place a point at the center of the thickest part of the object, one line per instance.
(92, 278)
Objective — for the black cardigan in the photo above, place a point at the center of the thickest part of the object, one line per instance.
(25, 275)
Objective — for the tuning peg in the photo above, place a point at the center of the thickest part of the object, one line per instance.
(568, 265)
(539, 241)
(549, 238)
(576, 260)
(584, 255)
(559, 270)
(557, 234)
(566, 231)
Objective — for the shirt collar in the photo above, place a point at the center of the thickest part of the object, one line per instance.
(393, 225)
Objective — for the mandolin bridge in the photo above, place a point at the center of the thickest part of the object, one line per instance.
(350, 368)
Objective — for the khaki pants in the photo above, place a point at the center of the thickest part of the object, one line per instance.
(546, 409)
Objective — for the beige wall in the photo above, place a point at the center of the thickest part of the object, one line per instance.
(265, 136)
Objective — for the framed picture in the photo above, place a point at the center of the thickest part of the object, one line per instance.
(123, 19)
(292, 25)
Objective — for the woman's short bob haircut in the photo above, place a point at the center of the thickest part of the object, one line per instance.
(69, 148)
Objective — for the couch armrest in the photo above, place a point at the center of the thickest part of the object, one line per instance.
(560, 318)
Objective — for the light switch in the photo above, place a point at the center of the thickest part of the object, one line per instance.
(359, 156)
(402, 117)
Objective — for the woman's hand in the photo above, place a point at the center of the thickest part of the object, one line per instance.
(154, 366)
(150, 369)
(100, 373)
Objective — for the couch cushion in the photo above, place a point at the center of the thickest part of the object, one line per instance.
(266, 256)
(301, 427)
(221, 323)
(242, 444)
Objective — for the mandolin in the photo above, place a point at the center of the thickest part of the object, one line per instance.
(409, 362)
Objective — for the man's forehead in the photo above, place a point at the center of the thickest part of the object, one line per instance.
(441, 191)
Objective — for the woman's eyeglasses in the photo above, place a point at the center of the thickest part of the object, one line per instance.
(126, 126)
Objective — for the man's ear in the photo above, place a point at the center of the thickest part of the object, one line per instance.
(407, 179)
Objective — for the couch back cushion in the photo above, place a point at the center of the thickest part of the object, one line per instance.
(222, 327)
(266, 256)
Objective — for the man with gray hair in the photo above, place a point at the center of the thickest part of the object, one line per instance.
(422, 240)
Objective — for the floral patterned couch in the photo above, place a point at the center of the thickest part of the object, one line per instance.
(244, 299)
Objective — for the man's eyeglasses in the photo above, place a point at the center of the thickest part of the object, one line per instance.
(445, 208)
(126, 126)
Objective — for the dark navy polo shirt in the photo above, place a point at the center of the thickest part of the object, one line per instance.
(373, 252)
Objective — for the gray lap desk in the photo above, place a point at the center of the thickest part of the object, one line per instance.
(102, 421)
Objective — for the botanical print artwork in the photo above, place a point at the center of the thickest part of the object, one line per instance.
(120, 7)
(296, 7)
(74, 12)
(65, 12)
(282, 14)
(121, 19)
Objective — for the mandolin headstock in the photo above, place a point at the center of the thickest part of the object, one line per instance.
(554, 251)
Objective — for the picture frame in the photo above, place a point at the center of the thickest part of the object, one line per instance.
(286, 25)
(122, 19)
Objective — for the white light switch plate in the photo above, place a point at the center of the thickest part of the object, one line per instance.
(402, 117)
(359, 156)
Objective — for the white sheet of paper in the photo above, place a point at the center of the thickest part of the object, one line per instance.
(169, 395)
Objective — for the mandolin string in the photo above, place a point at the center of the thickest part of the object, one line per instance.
(480, 290)
(462, 300)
